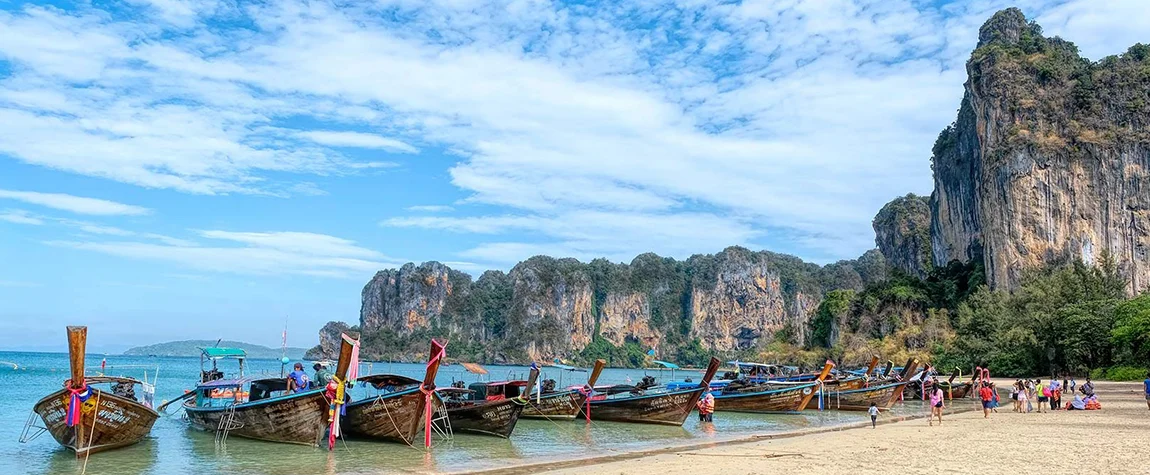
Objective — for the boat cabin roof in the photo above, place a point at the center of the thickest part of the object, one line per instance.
(520, 383)
(566, 367)
(453, 391)
(379, 381)
(110, 379)
(222, 352)
(224, 383)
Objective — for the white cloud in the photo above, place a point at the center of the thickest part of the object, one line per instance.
(430, 208)
(732, 119)
(19, 216)
(357, 139)
(263, 253)
(74, 204)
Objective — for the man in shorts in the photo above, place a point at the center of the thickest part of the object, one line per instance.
(987, 396)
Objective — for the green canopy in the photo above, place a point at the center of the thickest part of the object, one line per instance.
(217, 352)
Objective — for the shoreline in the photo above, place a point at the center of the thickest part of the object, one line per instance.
(598, 460)
(1111, 440)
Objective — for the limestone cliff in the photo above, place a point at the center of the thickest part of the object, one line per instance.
(902, 233)
(547, 308)
(329, 336)
(1048, 160)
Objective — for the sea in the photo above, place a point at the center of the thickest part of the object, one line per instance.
(174, 447)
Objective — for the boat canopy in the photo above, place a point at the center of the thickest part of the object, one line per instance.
(224, 383)
(519, 383)
(216, 352)
(667, 364)
(566, 367)
(380, 381)
(110, 379)
(474, 368)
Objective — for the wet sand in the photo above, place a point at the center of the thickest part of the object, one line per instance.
(1115, 440)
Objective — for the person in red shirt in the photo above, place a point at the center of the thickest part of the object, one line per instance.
(987, 396)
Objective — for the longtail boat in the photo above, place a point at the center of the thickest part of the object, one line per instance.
(761, 398)
(667, 407)
(487, 408)
(266, 410)
(882, 395)
(87, 419)
(564, 404)
(399, 412)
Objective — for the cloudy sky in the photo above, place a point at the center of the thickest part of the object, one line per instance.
(201, 169)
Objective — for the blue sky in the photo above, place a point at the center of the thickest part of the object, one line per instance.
(177, 169)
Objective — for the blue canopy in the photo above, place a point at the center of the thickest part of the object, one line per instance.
(667, 365)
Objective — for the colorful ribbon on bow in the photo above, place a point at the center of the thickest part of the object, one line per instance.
(78, 397)
(335, 409)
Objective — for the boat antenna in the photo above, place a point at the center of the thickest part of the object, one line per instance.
(283, 350)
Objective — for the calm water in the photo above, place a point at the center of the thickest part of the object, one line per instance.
(174, 448)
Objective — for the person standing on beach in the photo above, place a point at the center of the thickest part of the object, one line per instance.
(987, 396)
(1043, 393)
(936, 402)
(1146, 387)
(1029, 396)
(874, 409)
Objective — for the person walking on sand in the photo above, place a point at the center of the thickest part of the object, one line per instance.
(936, 402)
(874, 409)
(987, 396)
(1023, 398)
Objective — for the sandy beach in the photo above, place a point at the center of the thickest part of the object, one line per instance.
(1114, 440)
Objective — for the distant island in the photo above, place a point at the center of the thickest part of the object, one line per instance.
(192, 348)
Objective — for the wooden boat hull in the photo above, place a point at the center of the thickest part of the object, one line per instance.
(496, 418)
(295, 419)
(882, 396)
(959, 391)
(564, 405)
(395, 417)
(770, 401)
(117, 422)
(670, 408)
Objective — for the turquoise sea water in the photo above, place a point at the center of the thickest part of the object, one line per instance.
(174, 448)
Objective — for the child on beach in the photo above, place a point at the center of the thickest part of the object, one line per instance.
(936, 403)
(874, 413)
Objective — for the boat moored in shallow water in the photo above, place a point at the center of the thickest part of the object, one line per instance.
(261, 409)
(652, 406)
(400, 409)
(88, 419)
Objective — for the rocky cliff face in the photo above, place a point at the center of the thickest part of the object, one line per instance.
(745, 301)
(547, 308)
(1049, 159)
(329, 340)
(902, 233)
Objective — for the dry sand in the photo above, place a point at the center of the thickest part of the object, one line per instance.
(1114, 440)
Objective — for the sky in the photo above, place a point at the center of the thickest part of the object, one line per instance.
(178, 169)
